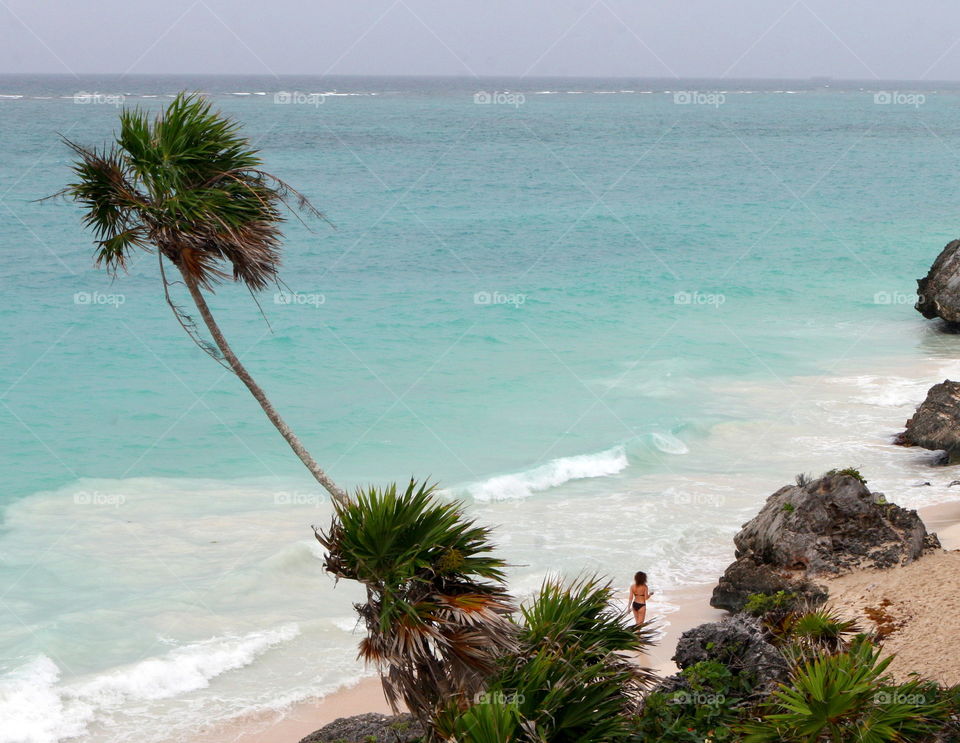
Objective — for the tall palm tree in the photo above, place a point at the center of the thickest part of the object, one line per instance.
(190, 186)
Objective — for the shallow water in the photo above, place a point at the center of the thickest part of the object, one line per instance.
(613, 324)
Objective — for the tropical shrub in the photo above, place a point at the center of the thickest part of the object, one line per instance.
(847, 472)
(571, 679)
(846, 697)
(706, 707)
(760, 604)
(819, 630)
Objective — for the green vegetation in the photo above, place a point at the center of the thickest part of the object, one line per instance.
(760, 604)
(818, 631)
(847, 472)
(706, 708)
(846, 697)
(788, 507)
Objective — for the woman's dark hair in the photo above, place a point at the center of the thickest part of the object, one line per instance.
(640, 578)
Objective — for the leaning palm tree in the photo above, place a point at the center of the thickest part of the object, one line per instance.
(437, 609)
(188, 185)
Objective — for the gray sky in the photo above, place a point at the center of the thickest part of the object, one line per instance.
(862, 39)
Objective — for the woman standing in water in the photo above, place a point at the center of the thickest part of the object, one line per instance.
(639, 593)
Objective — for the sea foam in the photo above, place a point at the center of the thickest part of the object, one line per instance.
(550, 475)
(36, 707)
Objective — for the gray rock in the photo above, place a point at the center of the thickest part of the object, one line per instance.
(936, 424)
(745, 577)
(738, 643)
(939, 291)
(369, 727)
(828, 526)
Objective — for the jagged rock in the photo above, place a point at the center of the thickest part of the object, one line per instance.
(936, 424)
(745, 577)
(738, 643)
(939, 291)
(367, 728)
(825, 527)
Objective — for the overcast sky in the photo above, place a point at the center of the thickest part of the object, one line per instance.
(859, 39)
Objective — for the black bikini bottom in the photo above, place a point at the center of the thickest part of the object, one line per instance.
(638, 606)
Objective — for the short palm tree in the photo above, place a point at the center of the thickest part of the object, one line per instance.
(437, 608)
(816, 631)
(188, 185)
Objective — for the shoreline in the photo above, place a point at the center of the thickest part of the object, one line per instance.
(303, 718)
(294, 723)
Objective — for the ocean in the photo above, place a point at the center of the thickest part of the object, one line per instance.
(610, 315)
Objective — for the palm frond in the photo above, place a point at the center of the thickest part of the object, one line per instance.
(189, 183)
(437, 613)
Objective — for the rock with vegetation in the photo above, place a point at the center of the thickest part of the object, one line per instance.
(827, 526)
(369, 728)
(936, 424)
(745, 578)
(939, 291)
(738, 643)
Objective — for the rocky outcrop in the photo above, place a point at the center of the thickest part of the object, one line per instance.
(745, 577)
(739, 644)
(939, 290)
(367, 729)
(822, 527)
(936, 424)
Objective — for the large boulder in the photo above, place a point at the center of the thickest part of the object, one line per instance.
(815, 528)
(745, 577)
(939, 290)
(738, 643)
(936, 424)
(369, 728)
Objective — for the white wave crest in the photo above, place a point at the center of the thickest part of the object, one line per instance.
(550, 475)
(669, 444)
(36, 707)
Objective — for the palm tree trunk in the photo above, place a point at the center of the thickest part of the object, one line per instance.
(231, 358)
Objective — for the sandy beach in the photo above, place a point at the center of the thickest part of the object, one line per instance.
(917, 604)
(289, 726)
(924, 595)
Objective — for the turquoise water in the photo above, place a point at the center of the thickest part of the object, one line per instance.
(673, 291)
